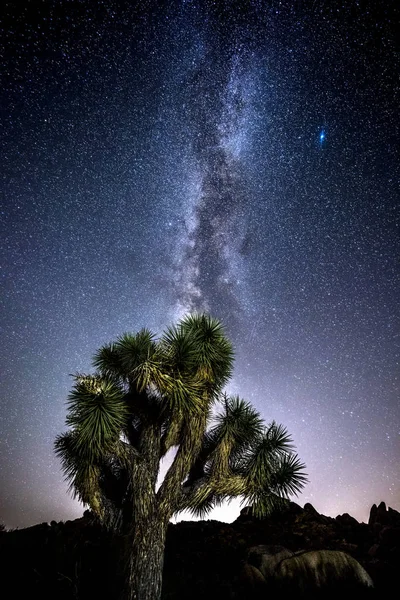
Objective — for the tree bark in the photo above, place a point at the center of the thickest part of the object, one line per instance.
(145, 561)
(147, 532)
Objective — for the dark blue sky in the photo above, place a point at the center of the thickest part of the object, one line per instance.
(164, 160)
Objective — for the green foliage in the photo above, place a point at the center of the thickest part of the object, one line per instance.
(239, 424)
(97, 412)
(79, 469)
(149, 395)
(214, 352)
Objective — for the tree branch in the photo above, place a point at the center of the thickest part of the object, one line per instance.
(170, 489)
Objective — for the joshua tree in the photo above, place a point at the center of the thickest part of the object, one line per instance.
(150, 396)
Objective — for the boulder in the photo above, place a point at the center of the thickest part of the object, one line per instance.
(308, 572)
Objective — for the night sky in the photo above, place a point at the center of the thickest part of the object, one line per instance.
(239, 158)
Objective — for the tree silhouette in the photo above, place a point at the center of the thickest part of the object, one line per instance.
(149, 396)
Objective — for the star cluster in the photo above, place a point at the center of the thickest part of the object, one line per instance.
(235, 157)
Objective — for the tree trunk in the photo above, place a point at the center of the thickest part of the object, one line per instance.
(145, 561)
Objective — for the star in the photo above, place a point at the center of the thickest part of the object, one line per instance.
(172, 157)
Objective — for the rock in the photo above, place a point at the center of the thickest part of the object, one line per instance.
(379, 516)
(310, 509)
(307, 572)
(346, 520)
(266, 558)
(252, 577)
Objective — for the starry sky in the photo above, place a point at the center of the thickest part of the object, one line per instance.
(239, 158)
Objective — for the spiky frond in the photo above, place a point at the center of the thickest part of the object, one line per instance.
(178, 351)
(272, 471)
(108, 362)
(97, 413)
(214, 352)
(235, 429)
(278, 439)
(135, 349)
(239, 423)
(260, 459)
(264, 503)
(289, 476)
(80, 472)
(286, 477)
(201, 506)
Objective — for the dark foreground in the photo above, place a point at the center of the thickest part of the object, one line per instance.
(78, 560)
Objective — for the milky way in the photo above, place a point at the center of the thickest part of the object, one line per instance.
(217, 218)
(235, 157)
